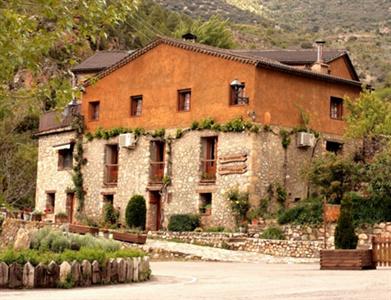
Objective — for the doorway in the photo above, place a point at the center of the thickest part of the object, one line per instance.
(70, 204)
(155, 210)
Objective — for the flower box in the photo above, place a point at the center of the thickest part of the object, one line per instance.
(135, 238)
(81, 229)
(346, 259)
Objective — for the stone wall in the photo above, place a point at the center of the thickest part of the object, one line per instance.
(264, 162)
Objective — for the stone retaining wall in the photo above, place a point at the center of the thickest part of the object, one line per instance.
(10, 229)
(73, 274)
(240, 241)
(301, 241)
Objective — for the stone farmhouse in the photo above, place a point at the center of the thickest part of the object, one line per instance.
(148, 128)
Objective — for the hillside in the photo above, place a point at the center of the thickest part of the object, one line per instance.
(363, 27)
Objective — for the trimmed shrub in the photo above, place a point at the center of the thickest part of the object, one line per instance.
(273, 233)
(345, 237)
(183, 222)
(309, 211)
(136, 212)
(215, 229)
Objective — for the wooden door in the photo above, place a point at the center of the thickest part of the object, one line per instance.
(70, 203)
(155, 209)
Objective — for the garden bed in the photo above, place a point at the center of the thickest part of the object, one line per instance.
(346, 259)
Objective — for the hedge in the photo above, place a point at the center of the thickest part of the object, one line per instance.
(183, 222)
(136, 212)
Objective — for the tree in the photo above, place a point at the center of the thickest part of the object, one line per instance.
(345, 237)
(39, 41)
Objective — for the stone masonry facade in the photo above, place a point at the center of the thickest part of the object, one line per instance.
(262, 161)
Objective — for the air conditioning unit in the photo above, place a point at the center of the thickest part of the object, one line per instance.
(127, 140)
(305, 139)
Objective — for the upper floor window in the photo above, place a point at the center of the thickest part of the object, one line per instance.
(237, 93)
(111, 164)
(208, 158)
(93, 111)
(65, 158)
(336, 108)
(184, 97)
(136, 105)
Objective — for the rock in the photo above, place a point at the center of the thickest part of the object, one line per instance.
(86, 273)
(53, 274)
(40, 276)
(95, 276)
(76, 273)
(129, 270)
(28, 276)
(383, 225)
(362, 236)
(113, 271)
(136, 264)
(388, 228)
(15, 276)
(65, 271)
(146, 269)
(4, 275)
(377, 231)
(121, 270)
(22, 239)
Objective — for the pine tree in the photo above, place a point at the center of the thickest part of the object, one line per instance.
(345, 237)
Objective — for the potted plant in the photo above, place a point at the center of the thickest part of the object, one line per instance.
(346, 256)
(36, 216)
(61, 217)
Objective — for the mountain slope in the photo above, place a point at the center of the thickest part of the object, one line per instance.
(363, 26)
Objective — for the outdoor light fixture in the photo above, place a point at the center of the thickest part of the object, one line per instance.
(236, 85)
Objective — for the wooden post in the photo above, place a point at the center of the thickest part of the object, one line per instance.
(324, 224)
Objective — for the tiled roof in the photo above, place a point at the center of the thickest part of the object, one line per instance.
(100, 61)
(292, 57)
(245, 58)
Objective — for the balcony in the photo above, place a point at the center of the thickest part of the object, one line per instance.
(208, 170)
(156, 172)
(111, 174)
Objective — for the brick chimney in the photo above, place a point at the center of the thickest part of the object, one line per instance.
(320, 66)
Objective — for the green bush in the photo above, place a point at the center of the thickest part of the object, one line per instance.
(110, 214)
(183, 222)
(273, 233)
(47, 239)
(215, 229)
(309, 211)
(239, 204)
(345, 237)
(136, 212)
(36, 256)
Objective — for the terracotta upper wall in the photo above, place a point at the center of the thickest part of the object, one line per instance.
(158, 75)
(339, 67)
(283, 94)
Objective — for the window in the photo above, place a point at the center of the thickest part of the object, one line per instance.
(336, 108)
(50, 202)
(156, 173)
(111, 164)
(65, 158)
(94, 111)
(334, 147)
(237, 93)
(136, 104)
(205, 206)
(184, 97)
(208, 158)
(108, 199)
